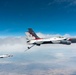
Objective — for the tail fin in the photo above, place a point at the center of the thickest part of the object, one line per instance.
(31, 34)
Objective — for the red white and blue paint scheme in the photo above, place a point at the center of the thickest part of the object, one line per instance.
(33, 39)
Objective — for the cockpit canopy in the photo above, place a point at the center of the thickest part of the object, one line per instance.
(62, 37)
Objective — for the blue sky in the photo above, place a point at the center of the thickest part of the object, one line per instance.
(46, 16)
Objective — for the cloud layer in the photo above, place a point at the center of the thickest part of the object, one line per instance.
(18, 44)
(69, 3)
(52, 59)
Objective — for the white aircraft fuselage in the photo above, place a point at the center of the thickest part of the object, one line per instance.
(54, 40)
(33, 39)
(5, 56)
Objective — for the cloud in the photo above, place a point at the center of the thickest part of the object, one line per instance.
(54, 59)
(63, 0)
(59, 55)
(47, 35)
(18, 44)
(68, 2)
(12, 44)
(58, 1)
(34, 69)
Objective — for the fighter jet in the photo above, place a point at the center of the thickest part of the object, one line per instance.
(5, 56)
(33, 39)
